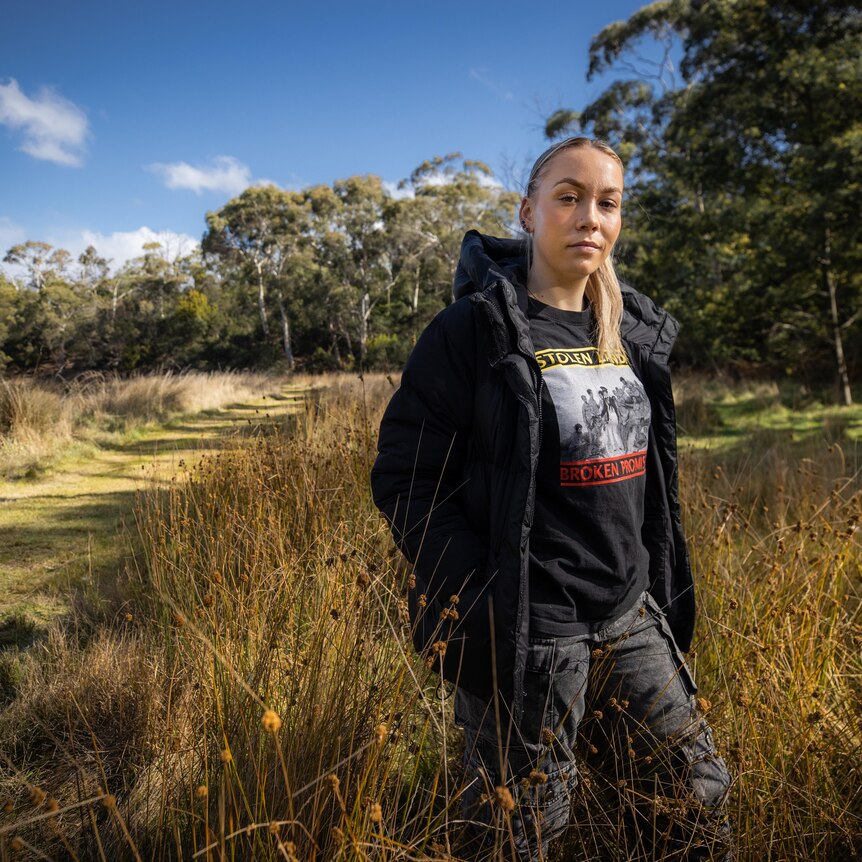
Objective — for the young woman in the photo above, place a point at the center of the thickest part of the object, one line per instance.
(527, 467)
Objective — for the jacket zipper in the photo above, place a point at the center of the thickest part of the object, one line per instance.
(518, 690)
(539, 383)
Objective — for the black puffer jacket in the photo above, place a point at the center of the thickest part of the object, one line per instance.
(455, 471)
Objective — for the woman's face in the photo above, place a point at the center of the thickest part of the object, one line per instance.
(574, 214)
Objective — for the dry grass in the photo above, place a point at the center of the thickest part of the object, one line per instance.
(40, 420)
(256, 698)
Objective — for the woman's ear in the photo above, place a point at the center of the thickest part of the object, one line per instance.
(525, 215)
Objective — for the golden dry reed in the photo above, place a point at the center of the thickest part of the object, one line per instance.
(253, 694)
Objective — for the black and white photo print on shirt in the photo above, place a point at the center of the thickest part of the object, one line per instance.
(602, 412)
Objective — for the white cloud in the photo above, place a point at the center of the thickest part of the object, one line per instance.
(481, 75)
(391, 189)
(52, 127)
(122, 246)
(439, 178)
(225, 174)
(118, 247)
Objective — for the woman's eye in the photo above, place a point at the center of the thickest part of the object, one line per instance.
(568, 198)
(610, 205)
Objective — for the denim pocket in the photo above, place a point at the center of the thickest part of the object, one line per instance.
(539, 713)
(685, 675)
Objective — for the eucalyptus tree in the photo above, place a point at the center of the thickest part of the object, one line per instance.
(262, 233)
(450, 195)
(9, 295)
(40, 260)
(747, 170)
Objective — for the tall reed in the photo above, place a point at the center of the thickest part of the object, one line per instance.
(257, 696)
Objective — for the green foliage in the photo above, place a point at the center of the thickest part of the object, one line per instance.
(387, 352)
(746, 177)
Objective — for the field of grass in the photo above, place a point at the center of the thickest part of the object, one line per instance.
(72, 458)
(248, 691)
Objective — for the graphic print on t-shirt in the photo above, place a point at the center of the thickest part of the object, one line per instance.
(602, 412)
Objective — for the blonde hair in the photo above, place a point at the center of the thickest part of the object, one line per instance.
(603, 286)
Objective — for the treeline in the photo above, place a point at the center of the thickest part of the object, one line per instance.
(340, 276)
(741, 127)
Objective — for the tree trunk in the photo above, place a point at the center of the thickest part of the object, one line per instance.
(261, 303)
(285, 332)
(364, 312)
(831, 290)
(335, 351)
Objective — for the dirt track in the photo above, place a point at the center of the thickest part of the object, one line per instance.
(56, 532)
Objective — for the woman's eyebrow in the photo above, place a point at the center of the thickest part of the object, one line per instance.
(574, 182)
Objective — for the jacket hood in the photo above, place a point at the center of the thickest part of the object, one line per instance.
(486, 260)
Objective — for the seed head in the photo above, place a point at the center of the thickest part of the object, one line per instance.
(16, 844)
(202, 791)
(376, 812)
(226, 756)
(271, 721)
(52, 804)
(109, 800)
(129, 617)
(380, 733)
(8, 806)
(333, 782)
(453, 600)
(547, 735)
(504, 798)
(411, 582)
(209, 600)
(537, 777)
(37, 795)
(704, 704)
(598, 714)
(179, 620)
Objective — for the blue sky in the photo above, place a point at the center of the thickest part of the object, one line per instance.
(119, 121)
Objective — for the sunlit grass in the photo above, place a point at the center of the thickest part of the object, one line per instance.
(46, 425)
(254, 694)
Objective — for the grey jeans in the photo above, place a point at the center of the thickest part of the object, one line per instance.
(628, 689)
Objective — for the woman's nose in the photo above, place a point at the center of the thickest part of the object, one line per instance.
(588, 214)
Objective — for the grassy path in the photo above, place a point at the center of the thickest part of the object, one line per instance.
(57, 532)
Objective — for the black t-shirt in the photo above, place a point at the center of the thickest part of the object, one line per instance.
(587, 561)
